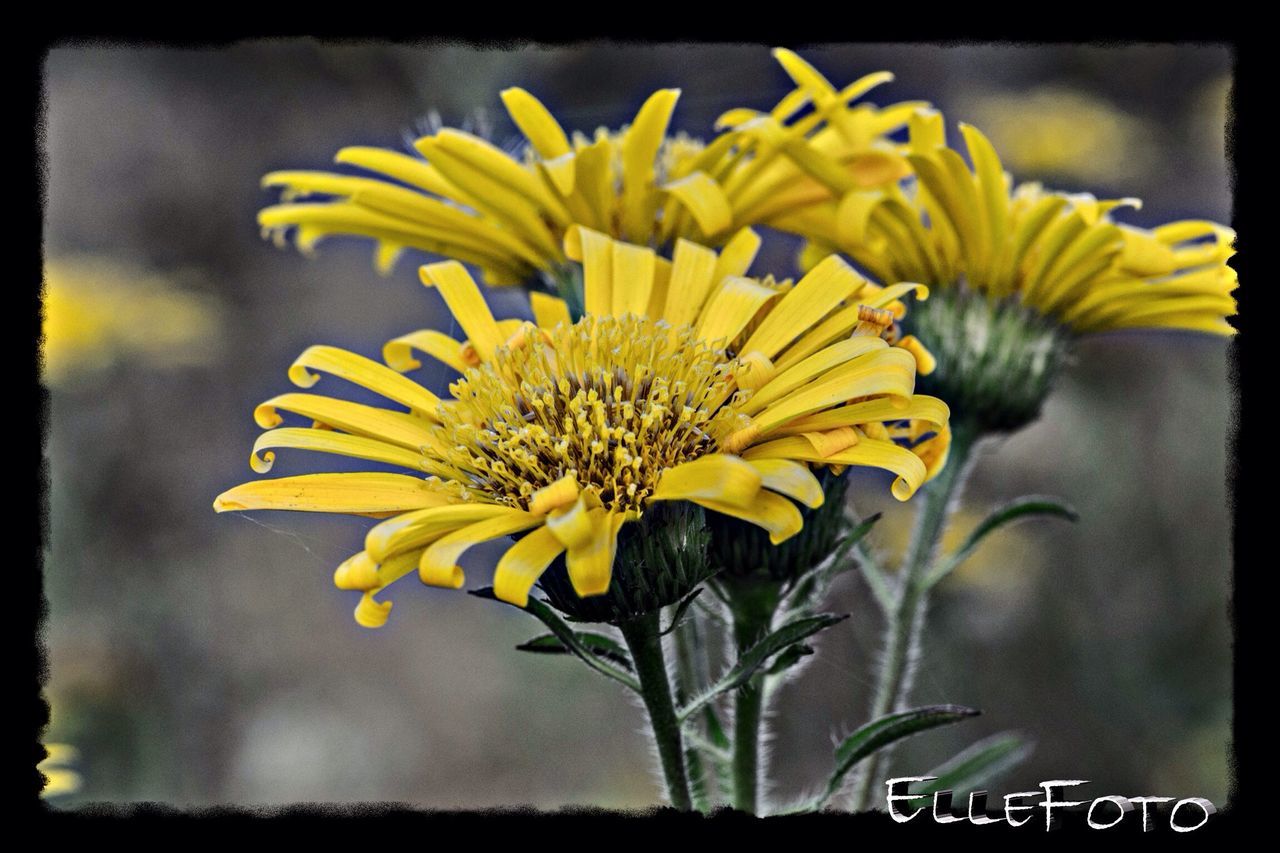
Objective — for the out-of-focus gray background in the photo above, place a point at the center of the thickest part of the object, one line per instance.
(201, 659)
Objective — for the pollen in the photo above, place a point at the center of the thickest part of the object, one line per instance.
(607, 403)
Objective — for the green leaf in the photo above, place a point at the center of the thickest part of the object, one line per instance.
(788, 658)
(567, 636)
(679, 612)
(756, 656)
(1023, 507)
(878, 734)
(606, 647)
(979, 763)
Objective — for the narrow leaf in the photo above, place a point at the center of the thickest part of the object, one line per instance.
(606, 647)
(979, 763)
(679, 611)
(542, 611)
(1023, 507)
(878, 734)
(788, 658)
(755, 657)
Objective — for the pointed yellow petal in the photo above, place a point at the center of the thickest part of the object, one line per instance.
(639, 150)
(522, 565)
(358, 493)
(467, 305)
(536, 122)
(737, 255)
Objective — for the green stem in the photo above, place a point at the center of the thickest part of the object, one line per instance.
(690, 680)
(753, 603)
(906, 619)
(645, 644)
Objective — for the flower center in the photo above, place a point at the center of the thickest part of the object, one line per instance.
(612, 402)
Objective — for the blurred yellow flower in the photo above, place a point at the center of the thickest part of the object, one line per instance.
(1057, 254)
(467, 199)
(1063, 133)
(1005, 558)
(685, 381)
(98, 310)
(61, 779)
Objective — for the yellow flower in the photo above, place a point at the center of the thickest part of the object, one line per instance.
(1057, 254)
(467, 199)
(61, 779)
(98, 309)
(685, 381)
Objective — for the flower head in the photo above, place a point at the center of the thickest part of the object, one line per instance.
(685, 383)
(467, 199)
(1018, 271)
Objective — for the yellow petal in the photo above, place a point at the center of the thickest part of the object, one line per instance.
(719, 477)
(633, 271)
(737, 255)
(415, 530)
(734, 304)
(358, 493)
(771, 511)
(921, 408)
(536, 123)
(560, 494)
(590, 563)
(522, 565)
(467, 305)
(398, 352)
(364, 372)
(692, 271)
(548, 311)
(394, 427)
(792, 479)
(822, 289)
(439, 563)
(639, 150)
(595, 251)
(706, 202)
(328, 441)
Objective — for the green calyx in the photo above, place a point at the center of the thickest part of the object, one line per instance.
(660, 559)
(997, 360)
(744, 550)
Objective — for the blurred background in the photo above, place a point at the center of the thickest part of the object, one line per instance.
(200, 659)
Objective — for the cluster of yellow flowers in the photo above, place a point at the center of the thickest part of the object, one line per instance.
(662, 371)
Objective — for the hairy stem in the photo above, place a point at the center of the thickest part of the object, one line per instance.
(753, 603)
(645, 644)
(906, 619)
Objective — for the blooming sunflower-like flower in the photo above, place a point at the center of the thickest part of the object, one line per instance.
(1018, 271)
(465, 198)
(684, 383)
